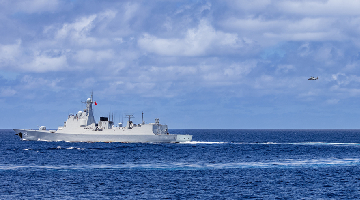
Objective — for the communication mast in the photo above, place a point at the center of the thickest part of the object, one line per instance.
(142, 117)
(129, 123)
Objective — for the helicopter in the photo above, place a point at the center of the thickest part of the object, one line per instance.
(313, 78)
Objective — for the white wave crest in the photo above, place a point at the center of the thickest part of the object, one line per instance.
(286, 163)
(199, 142)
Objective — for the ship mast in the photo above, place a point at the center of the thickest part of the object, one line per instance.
(142, 117)
(92, 96)
(129, 123)
(89, 110)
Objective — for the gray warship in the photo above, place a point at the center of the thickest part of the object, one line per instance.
(81, 127)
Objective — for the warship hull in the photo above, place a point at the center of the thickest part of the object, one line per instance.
(50, 136)
(82, 127)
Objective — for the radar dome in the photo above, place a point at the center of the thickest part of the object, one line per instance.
(88, 100)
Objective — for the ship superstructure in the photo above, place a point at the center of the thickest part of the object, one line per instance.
(81, 127)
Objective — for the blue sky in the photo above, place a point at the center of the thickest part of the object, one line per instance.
(194, 64)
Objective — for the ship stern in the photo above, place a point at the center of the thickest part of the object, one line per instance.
(183, 138)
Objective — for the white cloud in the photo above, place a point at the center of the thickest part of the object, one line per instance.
(7, 92)
(239, 70)
(9, 54)
(343, 79)
(88, 82)
(321, 7)
(199, 41)
(304, 50)
(308, 94)
(284, 68)
(302, 8)
(332, 101)
(35, 6)
(89, 56)
(344, 92)
(270, 85)
(274, 30)
(19, 58)
(249, 6)
(131, 10)
(78, 30)
(175, 71)
(276, 21)
(94, 39)
(264, 81)
(31, 83)
(351, 66)
(162, 48)
(43, 63)
(12, 57)
(328, 54)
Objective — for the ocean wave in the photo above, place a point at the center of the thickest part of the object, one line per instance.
(287, 163)
(276, 143)
(306, 143)
(56, 148)
(219, 143)
(199, 142)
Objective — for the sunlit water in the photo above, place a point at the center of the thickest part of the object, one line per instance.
(225, 164)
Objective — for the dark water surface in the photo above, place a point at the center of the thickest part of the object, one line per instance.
(218, 164)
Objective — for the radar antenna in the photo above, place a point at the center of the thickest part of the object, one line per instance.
(130, 116)
(89, 110)
(130, 124)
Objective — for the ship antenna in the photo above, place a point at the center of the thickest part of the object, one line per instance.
(92, 96)
(130, 116)
(129, 122)
(142, 117)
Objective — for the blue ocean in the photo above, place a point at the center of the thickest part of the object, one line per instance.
(217, 164)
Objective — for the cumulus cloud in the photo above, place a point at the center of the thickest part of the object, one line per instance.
(163, 49)
(89, 56)
(198, 41)
(271, 31)
(302, 8)
(81, 31)
(31, 83)
(276, 21)
(74, 42)
(175, 71)
(78, 31)
(274, 85)
(9, 54)
(239, 70)
(321, 8)
(211, 49)
(13, 58)
(249, 6)
(343, 79)
(43, 63)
